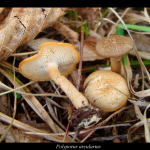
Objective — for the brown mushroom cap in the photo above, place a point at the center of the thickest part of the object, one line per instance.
(101, 90)
(114, 46)
(63, 54)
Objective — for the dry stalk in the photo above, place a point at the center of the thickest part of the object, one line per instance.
(26, 127)
(34, 103)
(50, 107)
(15, 106)
(118, 21)
(78, 79)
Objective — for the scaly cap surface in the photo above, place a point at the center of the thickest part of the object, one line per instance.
(114, 46)
(101, 90)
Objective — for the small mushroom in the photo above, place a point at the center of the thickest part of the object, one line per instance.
(53, 62)
(114, 47)
(106, 90)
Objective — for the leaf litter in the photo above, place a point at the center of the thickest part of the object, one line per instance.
(44, 99)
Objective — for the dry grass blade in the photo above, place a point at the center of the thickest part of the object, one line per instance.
(22, 54)
(82, 131)
(118, 21)
(144, 121)
(48, 103)
(8, 65)
(16, 135)
(34, 103)
(21, 87)
(143, 55)
(137, 125)
(133, 18)
(147, 18)
(140, 116)
(37, 107)
(2, 85)
(134, 127)
(15, 107)
(138, 112)
(143, 93)
(129, 75)
(27, 94)
(26, 127)
(146, 127)
(139, 103)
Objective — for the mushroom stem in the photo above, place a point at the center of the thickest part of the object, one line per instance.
(74, 95)
(116, 64)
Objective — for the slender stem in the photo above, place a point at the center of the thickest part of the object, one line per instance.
(116, 64)
(78, 79)
(74, 95)
(80, 62)
(66, 133)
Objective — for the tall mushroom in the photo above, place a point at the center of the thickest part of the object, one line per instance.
(114, 47)
(53, 62)
(106, 90)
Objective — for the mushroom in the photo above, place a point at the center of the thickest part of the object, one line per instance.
(53, 62)
(106, 90)
(114, 47)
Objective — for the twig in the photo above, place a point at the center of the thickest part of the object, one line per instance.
(48, 103)
(78, 79)
(80, 63)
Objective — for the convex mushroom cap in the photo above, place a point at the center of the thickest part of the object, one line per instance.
(114, 47)
(104, 89)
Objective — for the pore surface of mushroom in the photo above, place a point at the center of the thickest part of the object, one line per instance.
(105, 89)
(53, 62)
(114, 47)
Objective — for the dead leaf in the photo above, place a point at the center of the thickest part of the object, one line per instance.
(21, 25)
(141, 42)
(89, 52)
